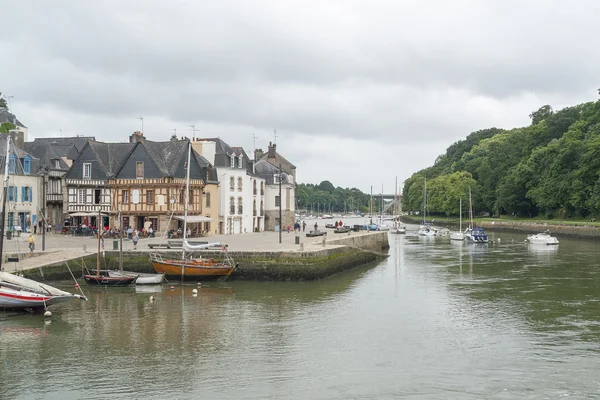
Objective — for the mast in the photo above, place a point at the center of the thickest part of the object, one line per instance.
(460, 215)
(120, 241)
(425, 203)
(98, 255)
(381, 210)
(470, 211)
(371, 204)
(4, 189)
(187, 200)
(396, 204)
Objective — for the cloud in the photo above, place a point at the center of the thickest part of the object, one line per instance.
(391, 84)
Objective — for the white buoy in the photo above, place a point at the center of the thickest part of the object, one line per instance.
(47, 314)
(151, 299)
(199, 283)
(195, 295)
(195, 291)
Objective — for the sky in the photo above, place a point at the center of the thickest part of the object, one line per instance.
(359, 93)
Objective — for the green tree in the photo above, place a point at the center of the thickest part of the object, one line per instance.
(541, 114)
(6, 127)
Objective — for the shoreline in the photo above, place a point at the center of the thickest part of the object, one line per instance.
(570, 230)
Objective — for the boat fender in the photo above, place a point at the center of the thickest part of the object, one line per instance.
(195, 291)
(47, 314)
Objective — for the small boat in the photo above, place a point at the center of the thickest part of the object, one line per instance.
(316, 233)
(142, 278)
(18, 293)
(543, 238)
(476, 235)
(399, 230)
(460, 235)
(343, 229)
(426, 230)
(103, 279)
(330, 226)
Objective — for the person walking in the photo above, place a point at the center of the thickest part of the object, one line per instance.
(316, 226)
(303, 226)
(135, 239)
(31, 243)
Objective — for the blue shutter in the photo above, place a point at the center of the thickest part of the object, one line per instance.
(23, 193)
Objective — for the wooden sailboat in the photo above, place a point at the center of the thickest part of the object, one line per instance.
(16, 292)
(142, 278)
(193, 268)
(102, 278)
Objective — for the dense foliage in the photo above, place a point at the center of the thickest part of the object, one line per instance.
(326, 198)
(551, 167)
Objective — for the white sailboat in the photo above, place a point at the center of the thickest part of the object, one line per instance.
(398, 228)
(425, 229)
(16, 292)
(474, 235)
(460, 235)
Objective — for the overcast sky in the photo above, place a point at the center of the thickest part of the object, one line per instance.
(360, 92)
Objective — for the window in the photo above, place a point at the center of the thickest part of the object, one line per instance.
(125, 197)
(231, 183)
(81, 195)
(139, 170)
(276, 178)
(12, 164)
(56, 164)
(26, 194)
(262, 189)
(232, 161)
(277, 201)
(240, 163)
(254, 187)
(97, 196)
(182, 196)
(254, 207)
(27, 165)
(149, 196)
(11, 193)
(87, 170)
(207, 199)
(191, 196)
(231, 205)
(240, 184)
(240, 205)
(261, 209)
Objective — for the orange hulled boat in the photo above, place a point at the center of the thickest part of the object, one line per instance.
(195, 268)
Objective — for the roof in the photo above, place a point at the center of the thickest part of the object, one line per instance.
(111, 155)
(223, 148)
(167, 155)
(77, 141)
(266, 156)
(6, 116)
(47, 153)
(20, 154)
(267, 171)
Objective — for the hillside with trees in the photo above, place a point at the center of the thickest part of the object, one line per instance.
(550, 168)
(325, 198)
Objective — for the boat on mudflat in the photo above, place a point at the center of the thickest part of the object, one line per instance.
(316, 233)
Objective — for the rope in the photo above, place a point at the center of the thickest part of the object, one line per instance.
(78, 285)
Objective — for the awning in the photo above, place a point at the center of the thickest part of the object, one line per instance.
(192, 219)
(86, 214)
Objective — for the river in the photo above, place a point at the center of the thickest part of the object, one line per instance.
(436, 320)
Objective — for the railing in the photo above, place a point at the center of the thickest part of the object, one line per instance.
(54, 197)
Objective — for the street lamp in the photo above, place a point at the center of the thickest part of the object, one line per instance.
(43, 172)
(281, 176)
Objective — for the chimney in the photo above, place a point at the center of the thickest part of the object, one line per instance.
(258, 153)
(136, 136)
(272, 150)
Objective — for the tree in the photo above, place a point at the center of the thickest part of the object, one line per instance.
(6, 127)
(326, 186)
(541, 114)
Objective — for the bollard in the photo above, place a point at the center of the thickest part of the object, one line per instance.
(301, 246)
(324, 240)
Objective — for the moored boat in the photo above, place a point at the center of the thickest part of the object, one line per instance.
(196, 268)
(142, 278)
(542, 238)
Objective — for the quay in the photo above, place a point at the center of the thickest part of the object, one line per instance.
(260, 255)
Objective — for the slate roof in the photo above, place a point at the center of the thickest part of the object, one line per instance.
(167, 155)
(211, 173)
(223, 148)
(76, 141)
(111, 156)
(266, 170)
(6, 116)
(266, 156)
(46, 153)
(20, 154)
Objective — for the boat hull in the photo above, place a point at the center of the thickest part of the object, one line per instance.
(19, 293)
(103, 280)
(142, 278)
(193, 269)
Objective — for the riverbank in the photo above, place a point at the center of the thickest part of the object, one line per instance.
(261, 257)
(574, 230)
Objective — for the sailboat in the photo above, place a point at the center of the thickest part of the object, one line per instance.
(398, 227)
(16, 292)
(103, 278)
(460, 235)
(142, 278)
(474, 235)
(425, 229)
(193, 268)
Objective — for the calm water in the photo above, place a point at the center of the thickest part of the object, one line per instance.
(437, 320)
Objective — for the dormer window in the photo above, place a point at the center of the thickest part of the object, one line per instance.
(240, 163)
(139, 170)
(57, 164)
(232, 161)
(87, 170)
(12, 164)
(276, 178)
(27, 165)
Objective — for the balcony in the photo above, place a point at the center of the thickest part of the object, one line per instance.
(57, 197)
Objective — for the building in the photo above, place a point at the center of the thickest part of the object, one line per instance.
(56, 155)
(23, 199)
(274, 169)
(239, 197)
(6, 116)
(149, 187)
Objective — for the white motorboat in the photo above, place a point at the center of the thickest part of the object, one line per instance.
(542, 238)
(143, 278)
(474, 235)
(426, 230)
(399, 230)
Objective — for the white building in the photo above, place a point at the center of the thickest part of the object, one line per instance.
(267, 166)
(23, 200)
(241, 198)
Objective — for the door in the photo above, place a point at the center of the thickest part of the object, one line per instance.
(237, 226)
